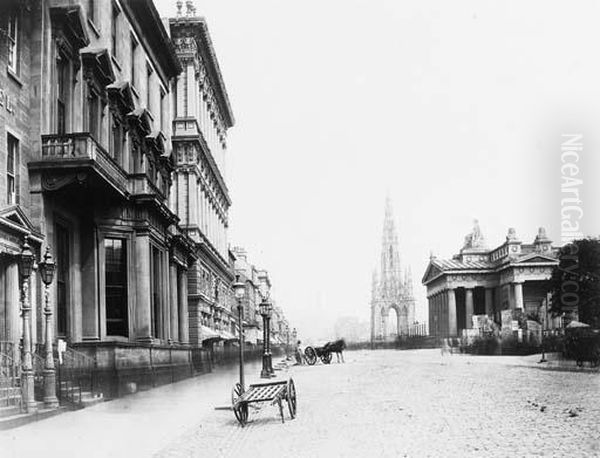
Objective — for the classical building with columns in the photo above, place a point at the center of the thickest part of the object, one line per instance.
(392, 290)
(482, 281)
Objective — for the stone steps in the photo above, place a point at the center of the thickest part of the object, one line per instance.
(19, 418)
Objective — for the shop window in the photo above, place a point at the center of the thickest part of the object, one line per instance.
(117, 314)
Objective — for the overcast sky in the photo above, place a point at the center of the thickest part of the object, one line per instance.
(455, 109)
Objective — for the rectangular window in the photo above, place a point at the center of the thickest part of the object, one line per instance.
(162, 117)
(134, 45)
(117, 312)
(91, 10)
(117, 141)
(63, 262)
(62, 84)
(13, 41)
(156, 288)
(12, 159)
(93, 107)
(148, 91)
(113, 31)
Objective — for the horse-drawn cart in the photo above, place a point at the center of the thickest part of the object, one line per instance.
(325, 352)
(274, 392)
(313, 353)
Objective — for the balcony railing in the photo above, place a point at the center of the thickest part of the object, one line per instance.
(71, 149)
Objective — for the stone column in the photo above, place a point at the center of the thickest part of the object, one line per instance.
(184, 320)
(489, 306)
(518, 295)
(173, 303)
(452, 325)
(12, 303)
(143, 303)
(469, 307)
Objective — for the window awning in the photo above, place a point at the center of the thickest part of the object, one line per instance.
(209, 334)
(227, 335)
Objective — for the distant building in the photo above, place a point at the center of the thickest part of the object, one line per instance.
(483, 281)
(392, 290)
(351, 329)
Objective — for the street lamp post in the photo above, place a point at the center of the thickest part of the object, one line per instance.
(544, 325)
(27, 389)
(295, 345)
(239, 289)
(47, 268)
(287, 344)
(265, 312)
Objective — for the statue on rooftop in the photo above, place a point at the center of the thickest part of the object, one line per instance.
(475, 239)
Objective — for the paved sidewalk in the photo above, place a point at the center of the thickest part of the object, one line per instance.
(137, 425)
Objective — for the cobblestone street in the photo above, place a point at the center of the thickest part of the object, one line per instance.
(382, 403)
(416, 403)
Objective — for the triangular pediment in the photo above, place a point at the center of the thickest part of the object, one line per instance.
(16, 215)
(535, 258)
(431, 272)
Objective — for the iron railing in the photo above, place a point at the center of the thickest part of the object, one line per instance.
(10, 393)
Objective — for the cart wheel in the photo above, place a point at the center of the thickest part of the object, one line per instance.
(291, 398)
(311, 355)
(241, 411)
(326, 357)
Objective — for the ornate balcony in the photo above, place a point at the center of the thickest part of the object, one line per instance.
(77, 157)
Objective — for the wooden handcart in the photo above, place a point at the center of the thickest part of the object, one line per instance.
(274, 392)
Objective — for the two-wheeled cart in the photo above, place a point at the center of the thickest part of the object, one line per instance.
(273, 392)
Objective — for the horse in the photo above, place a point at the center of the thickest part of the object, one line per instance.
(336, 347)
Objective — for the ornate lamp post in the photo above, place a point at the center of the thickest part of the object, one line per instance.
(25, 269)
(544, 325)
(265, 311)
(287, 344)
(47, 268)
(295, 344)
(239, 289)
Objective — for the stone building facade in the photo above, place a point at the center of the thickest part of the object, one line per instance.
(480, 281)
(112, 154)
(201, 117)
(19, 116)
(101, 180)
(392, 289)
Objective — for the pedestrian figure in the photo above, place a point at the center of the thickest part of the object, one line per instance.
(446, 349)
(299, 353)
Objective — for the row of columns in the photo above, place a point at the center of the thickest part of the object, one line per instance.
(174, 308)
(444, 303)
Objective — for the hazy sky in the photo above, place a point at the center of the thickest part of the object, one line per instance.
(453, 108)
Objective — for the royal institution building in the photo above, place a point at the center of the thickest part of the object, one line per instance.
(113, 128)
(499, 283)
